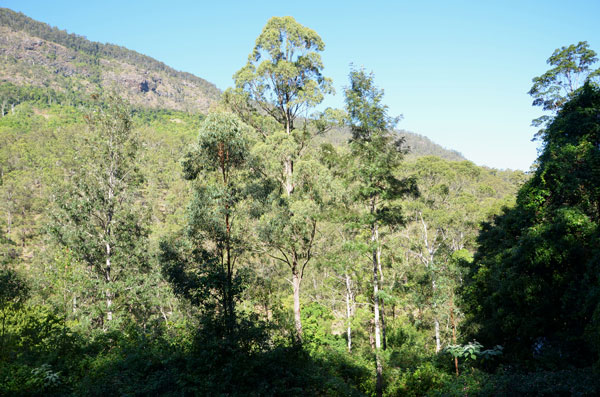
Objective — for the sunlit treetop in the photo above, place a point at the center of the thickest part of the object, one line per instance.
(572, 67)
(284, 71)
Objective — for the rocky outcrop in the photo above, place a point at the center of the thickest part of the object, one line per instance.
(27, 59)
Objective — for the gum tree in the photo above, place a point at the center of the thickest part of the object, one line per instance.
(219, 172)
(572, 66)
(282, 80)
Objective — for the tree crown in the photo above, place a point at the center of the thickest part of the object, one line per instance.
(284, 71)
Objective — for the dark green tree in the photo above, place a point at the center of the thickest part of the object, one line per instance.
(221, 175)
(13, 292)
(534, 282)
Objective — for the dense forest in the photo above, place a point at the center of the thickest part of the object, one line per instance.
(266, 247)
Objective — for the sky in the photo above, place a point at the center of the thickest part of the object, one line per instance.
(457, 71)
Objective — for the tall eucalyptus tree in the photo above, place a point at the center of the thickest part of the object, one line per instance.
(282, 81)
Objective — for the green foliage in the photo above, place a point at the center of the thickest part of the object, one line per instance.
(13, 292)
(419, 382)
(12, 95)
(13, 289)
(34, 331)
(23, 380)
(163, 361)
(376, 150)
(507, 381)
(316, 324)
(200, 306)
(473, 351)
(375, 155)
(206, 271)
(281, 80)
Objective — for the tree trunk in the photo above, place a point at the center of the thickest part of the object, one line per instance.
(376, 291)
(3, 331)
(228, 306)
(8, 221)
(371, 338)
(229, 286)
(108, 233)
(349, 299)
(453, 330)
(296, 280)
(289, 172)
(379, 384)
(289, 163)
(107, 276)
(438, 343)
(436, 322)
(379, 368)
(382, 311)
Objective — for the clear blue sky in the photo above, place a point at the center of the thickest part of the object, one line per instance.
(458, 71)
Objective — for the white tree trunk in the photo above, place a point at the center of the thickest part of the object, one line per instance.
(382, 306)
(379, 367)
(438, 343)
(349, 299)
(296, 280)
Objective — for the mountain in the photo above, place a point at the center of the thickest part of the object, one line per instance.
(33, 53)
(417, 145)
(40, 62)
(420, 145)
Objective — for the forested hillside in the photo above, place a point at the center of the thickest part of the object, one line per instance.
(153, 247)
(33, 53)
(417, 145)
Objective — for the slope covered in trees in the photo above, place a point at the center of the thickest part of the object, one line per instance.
(417, 145)
(33, 53)
(247, 252)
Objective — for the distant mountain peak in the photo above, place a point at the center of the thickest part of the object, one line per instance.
(417, 145)
(420, 145)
